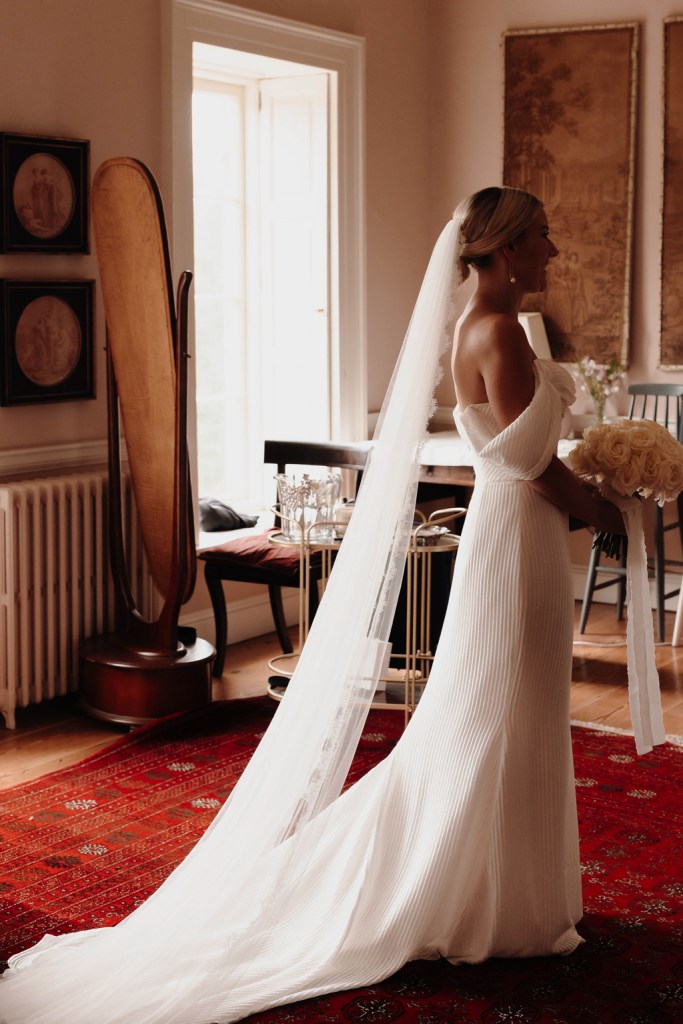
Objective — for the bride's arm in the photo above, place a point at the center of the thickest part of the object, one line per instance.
(506, 364)
(563, 488)
(507, 369)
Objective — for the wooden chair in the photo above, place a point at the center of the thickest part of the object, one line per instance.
(251, 558)
(664, 404)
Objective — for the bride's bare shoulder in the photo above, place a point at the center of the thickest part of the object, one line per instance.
(484, 333)
(490, 352)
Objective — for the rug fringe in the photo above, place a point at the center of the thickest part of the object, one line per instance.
(676, 741)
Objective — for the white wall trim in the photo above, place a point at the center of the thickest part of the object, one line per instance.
(45, 459)
(247, 618)
(252, 617)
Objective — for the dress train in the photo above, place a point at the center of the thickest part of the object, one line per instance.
(462, 843)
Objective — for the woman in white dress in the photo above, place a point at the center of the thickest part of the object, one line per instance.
(463, 842)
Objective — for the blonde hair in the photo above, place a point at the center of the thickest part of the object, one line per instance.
(488, 219)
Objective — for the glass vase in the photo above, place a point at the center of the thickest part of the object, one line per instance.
(306, 501)
(599, 407)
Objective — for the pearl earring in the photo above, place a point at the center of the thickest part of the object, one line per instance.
(513, 279)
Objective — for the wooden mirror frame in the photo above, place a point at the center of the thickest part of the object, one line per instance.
(144, 669)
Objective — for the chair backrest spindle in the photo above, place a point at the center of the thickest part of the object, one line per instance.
(662, 403)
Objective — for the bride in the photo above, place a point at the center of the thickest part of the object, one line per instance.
(462, 843)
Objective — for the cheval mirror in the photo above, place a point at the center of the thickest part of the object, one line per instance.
(147, 667)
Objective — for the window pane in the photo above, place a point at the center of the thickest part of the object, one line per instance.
(219, 211)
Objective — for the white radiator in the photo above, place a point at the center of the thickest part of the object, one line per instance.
(55, 582)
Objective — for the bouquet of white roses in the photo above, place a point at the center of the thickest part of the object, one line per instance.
(633, 458)
(626, 459)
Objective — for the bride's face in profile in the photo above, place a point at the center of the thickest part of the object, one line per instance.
(532, 252)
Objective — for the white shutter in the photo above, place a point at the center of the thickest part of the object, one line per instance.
(295, 261)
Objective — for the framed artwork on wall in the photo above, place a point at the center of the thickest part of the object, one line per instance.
(671, 321)
(44, 204)
(46, 341)
(569, 137)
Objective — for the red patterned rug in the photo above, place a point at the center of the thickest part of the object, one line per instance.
(84, 846)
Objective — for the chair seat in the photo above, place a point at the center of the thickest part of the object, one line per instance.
(255, 551)
(251, 558)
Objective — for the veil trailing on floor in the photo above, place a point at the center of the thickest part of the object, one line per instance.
(236, 875)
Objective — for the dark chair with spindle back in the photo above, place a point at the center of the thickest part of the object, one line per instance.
(664, 404)
(251, 558)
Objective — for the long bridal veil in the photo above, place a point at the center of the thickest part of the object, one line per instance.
(153, 965)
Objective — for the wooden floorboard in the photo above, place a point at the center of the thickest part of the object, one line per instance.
(599, 690)
(54, 734)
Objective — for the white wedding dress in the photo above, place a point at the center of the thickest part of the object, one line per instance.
(462, 844)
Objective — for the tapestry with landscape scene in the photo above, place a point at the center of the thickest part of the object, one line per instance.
(569, 137)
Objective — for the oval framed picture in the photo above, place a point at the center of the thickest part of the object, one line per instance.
(44, 194)
(47, 341)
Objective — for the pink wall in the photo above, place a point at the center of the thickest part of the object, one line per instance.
(433, 133)
(467, 150)
(467, 138)
(92, 69)
(81, 70)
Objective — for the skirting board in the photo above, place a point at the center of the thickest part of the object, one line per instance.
(246, 619)
(252, 617)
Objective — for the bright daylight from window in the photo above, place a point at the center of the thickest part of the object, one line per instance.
(219, 296)
(261, 287)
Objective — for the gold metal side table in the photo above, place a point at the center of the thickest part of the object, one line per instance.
(429, 537)
(309, 542)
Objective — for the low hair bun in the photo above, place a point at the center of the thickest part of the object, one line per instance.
(489, 219)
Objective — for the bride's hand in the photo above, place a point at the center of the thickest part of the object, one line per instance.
(608, 518)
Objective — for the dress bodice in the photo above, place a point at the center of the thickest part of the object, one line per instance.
(523, 449)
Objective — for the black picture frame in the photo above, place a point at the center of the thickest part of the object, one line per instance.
(44, 205)
(46, 341)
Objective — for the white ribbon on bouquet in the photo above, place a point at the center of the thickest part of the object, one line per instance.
(643, 679)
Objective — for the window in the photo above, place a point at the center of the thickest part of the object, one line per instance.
(220, 298)
(198, 34)
(261, 243)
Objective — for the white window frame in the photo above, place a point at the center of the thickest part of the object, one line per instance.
(210, 21)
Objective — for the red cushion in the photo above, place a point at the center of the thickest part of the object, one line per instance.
(256, 549)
